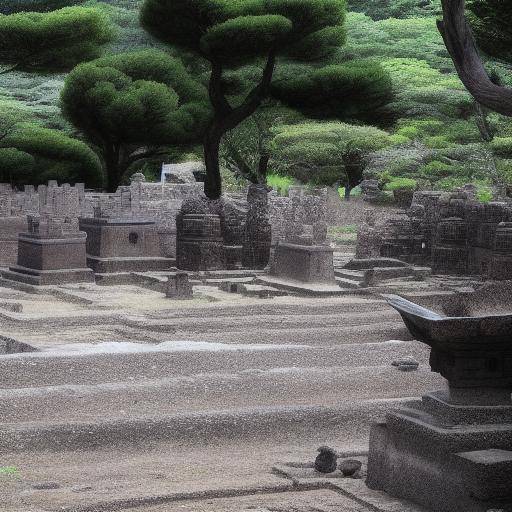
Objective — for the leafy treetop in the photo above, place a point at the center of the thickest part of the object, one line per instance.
(234, 31)
(56, 39)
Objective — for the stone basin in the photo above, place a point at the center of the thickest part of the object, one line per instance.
(435, 328)
(474, 353)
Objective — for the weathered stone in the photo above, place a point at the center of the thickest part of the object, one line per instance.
(52, 252)
(123, 245)
(200, 245)
(406, 364)
(350, 467)
(326, 461)
(451, 451)
(178, 286)
(310, 264)
(258, 232)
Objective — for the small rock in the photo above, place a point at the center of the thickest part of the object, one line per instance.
(327, 460)
(46, 486)
(349, 467)
(407, 364)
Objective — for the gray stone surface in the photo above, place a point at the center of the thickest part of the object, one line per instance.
(178, 286)
(123, 245)
(308, 264)
(51, 252)
(451, 451)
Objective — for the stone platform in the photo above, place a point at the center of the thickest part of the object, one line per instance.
(47, 261)
(123, 245)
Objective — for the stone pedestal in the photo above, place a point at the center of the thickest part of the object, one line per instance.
(452, 451)
(305, 263)
(199, 244)
(123, 245)
(50, 261)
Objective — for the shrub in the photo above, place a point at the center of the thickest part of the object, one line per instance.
(280, 183)
(57, 39)
(55, 156)
(401, 184)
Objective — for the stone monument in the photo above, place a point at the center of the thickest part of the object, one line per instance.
(178, 286)
(452, 451)
(258, 232)
(123, 245)
(52, 252)
(199, 243)
(305, 255)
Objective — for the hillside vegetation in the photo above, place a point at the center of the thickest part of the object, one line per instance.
(392, 76)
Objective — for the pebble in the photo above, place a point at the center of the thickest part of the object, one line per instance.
(349, 467)
(327, 460)
(407, 364)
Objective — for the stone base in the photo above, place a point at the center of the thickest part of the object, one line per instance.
(199, 255)
(233, 256)
(116, 265)
(431, 454)
(48, 277)
(304, 263)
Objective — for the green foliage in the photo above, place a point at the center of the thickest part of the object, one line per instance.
(491, 21)
(249, 36)
(502, 146)
(355, 90)
(12, 6)
(15, 166)
(243, 147)
(414, 38)
(381, 9)
(324, 153)
(54, 157)
(57, 39)
(401, 184)
(280, 183)
(233, 31)
(130, 104)
(421, 91)
(145, 97)
(484, 193)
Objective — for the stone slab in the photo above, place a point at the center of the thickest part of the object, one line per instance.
(48, 277)
(308, 289)
(123, 264)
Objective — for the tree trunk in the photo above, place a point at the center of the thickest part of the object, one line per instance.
(348, 189)
(112, 168)
(227, 117)
(213, 182)
(461, 45)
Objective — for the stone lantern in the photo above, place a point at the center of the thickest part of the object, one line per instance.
(452, 451)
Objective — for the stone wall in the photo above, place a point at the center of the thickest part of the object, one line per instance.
(451, 232)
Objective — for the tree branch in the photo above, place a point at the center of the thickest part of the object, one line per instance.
(217, 97)
(462, 48)
(242, 166)
(255, 97)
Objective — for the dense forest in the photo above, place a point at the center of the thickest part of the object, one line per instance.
(94, 91)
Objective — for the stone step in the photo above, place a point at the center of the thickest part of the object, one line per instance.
(236, 335)
(284, 321)
(122, 362)
(343, 282)
(276, 387)
(247, 424)
(354, 275)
